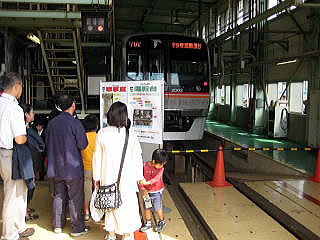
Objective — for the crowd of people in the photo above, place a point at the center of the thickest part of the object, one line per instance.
(79, 159)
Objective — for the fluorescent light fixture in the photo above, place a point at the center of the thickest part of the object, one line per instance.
(33, 38)
(291, 61)
(177, 21)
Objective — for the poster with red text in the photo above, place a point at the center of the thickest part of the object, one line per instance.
(145, 106)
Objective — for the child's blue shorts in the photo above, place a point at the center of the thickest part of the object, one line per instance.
(156, 200)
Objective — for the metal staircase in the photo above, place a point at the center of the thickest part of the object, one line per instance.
(62, 55)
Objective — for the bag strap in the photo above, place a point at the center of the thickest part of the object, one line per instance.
(123, 155)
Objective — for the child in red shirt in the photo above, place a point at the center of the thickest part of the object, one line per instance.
(153, 172)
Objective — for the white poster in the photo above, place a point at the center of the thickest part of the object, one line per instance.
(145, 106)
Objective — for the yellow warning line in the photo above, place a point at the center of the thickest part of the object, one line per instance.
(243, 149)
(204, 150)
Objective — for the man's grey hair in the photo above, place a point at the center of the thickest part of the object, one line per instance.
(10, 79)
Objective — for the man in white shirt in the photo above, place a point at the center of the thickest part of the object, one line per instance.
(12, 128)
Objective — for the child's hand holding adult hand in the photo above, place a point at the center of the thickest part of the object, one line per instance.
(144, 182)
(97, 184)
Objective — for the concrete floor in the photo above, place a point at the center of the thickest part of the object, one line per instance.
(42, 203)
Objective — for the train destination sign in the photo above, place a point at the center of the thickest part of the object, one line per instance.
(186, 45)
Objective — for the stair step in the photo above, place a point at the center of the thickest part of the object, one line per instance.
(72, 90)
(54, 30)
(60, 49)
(64, 75)
(64, 67)
(62, 59)
(57, 40)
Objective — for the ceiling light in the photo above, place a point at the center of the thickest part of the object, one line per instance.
(33, 38)
(74, 62)
(176, 21)
(286, 62)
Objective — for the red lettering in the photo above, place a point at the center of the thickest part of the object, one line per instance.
(122, 89)
(116, 89)
(109, 89)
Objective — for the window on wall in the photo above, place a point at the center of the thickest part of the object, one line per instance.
(220, 95)
(227, 94)
(277, 92)
(283, 92)
(223, 95)
(240, 12)
(272, 93)
(273, 3)
(218, 25)
(299, 93)
(243, 93)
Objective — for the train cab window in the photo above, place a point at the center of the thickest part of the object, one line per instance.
(188, 67)
(134, 66)
(156, 66)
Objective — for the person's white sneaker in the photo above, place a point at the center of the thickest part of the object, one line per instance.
(57, 230)
(79, 233)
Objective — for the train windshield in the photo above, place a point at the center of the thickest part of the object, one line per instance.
(188, 64)
(178, 61)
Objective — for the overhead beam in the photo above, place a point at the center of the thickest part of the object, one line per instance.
(165, 5)
(156, 26)
(79, 2)
(160, 13)
(39, 14)
(39, 23)
(86, 44)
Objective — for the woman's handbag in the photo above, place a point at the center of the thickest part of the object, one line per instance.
(108, 197)
(96, 214)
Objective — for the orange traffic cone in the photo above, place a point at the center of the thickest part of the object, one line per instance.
(140, 235)
(316, 177)
(219, 179)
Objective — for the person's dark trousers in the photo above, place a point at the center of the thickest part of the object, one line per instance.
(73, 189)
(30, 195)
(42, 170)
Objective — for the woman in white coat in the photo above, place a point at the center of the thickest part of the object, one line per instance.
(106, 163)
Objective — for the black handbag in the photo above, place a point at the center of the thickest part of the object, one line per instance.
(108, 197)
